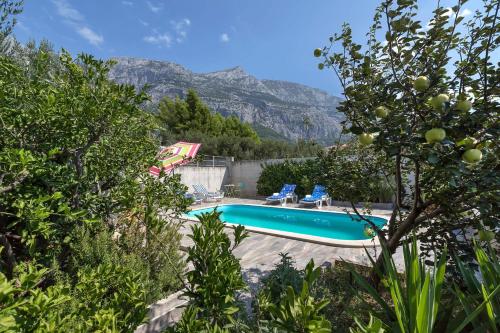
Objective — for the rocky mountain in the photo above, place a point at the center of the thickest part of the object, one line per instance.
(290, 109)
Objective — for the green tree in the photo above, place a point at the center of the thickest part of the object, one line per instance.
(74, 156)
(443, 78)
(193, 116)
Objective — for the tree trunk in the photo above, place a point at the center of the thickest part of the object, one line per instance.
(393, 242)
(8, 254)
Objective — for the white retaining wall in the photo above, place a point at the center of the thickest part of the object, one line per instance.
(213, 178)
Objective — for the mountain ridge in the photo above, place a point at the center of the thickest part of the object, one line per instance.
(279, 105)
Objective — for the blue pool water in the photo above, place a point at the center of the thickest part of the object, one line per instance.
(308, 222)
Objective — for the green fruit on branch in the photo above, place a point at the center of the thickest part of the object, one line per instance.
(317, 53)
(421, 84)
(472, 156)
(321, 66)
(486, 235)
(438, 101)
(366, 139)
(435, 135)
(463, 105)
(382, 111)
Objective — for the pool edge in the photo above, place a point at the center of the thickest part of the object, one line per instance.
(374, 242)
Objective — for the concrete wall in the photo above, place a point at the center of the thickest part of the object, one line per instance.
(246, 174)
(213, 178)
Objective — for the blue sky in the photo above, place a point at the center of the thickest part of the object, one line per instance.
(270, 39)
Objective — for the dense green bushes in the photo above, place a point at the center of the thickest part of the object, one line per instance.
(85, 245)
(302, 173)
(350, 174)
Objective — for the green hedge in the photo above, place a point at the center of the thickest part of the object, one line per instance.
(304, 174)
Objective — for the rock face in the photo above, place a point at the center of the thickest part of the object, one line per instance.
(292, 110)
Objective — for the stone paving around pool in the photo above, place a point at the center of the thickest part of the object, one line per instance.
(259, 253)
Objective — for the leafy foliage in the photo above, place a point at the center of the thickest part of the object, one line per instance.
(302, 173)
(107, 298)
(78, 211)
(297, 312)
(8, 11)
(216, 275)
(283, 275)
(356, 174)
(349, 172)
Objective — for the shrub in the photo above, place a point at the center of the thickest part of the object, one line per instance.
(152, 263)
(107, 298)
(345, 172)
(216, 276)
(423, 302)
(296, 311)
(304, 174)
(281, 277)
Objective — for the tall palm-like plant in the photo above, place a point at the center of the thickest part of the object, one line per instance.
(417, 301)
(479, 291)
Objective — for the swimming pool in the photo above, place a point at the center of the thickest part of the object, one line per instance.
(333, 228)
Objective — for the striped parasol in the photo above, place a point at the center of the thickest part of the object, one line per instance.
(174, 155)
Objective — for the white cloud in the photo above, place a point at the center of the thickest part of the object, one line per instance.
(155, 8)
(65, 10)
(127, 3)
(224, 37)
(23, 27)
(76, 20)
(144, 23)
(466, 12)
(92, 37)
(180, 28)
(159, 39)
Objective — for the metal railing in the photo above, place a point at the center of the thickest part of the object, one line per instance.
(211, 161)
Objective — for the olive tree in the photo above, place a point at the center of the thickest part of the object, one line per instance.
(427, 98)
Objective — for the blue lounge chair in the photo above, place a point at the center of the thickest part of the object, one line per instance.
(201, 191)
(287, 192)
(318, 195)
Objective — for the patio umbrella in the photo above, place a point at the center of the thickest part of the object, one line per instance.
(174, 155)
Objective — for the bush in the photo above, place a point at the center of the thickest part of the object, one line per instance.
(152, 263)
(304, 174)
(215, 280)
(344, 172)
(107, 299)
(283, 275)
